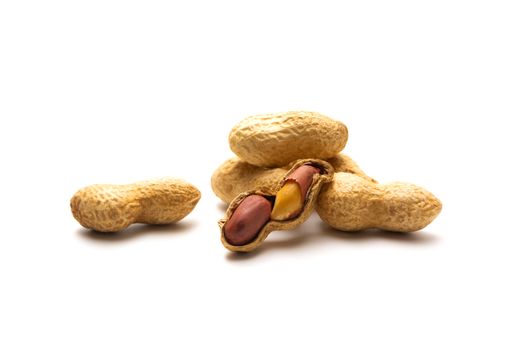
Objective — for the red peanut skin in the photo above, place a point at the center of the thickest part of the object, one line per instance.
(247, 220)
(303, 176)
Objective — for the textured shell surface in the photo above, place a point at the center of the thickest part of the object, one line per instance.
(235, 176)
(274, 140)
(111, 208)
(166, 200)
(105, 208)
(344, 164)
(350, 203)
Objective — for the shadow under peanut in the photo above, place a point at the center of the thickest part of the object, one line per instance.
(135, 231)
(317, 233)
(222, 206)
(413, 238)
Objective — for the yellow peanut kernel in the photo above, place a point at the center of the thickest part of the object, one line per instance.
(288, 202)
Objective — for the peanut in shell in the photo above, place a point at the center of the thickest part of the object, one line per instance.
(111, 208)
(350, 203)
(275, 140)
(325, 175)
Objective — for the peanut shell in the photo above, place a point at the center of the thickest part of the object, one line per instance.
(318, 181)
(350, 203)
(235, 176)
(111, 208)
(275, 140)
(344, 164)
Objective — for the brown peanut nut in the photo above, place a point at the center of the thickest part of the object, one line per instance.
(250, 238)
(350, 203)
(247, 220)
(111, 208)
(235, 176)
(275, 140)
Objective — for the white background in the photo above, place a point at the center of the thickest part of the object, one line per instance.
(119, 91)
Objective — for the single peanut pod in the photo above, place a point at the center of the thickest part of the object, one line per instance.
(350, 203)
(236, 176)
(111, 208)
(275, 140)
(253, 238)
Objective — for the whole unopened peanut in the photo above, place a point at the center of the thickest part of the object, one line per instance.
(111, 208)
(275, 140)
(350, 203)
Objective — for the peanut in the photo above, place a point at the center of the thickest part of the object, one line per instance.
(290, 198)
(111, 208)
(250, 218)
(350, 203)
(287, 201)
(275, 140)
(247, 220)
(236, 176)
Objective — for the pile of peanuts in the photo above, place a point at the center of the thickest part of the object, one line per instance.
(288, 165)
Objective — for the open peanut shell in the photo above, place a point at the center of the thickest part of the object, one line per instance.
(324, 175)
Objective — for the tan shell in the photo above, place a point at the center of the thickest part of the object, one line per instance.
(111, 208)
(344, 164)
(350, 203)
(235, 176)
(318, 181)
(275, 140)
